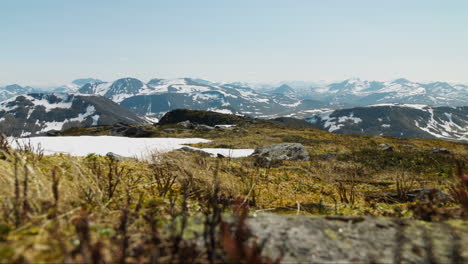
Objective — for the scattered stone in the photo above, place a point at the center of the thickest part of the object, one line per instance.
(437, 150)
(125, 130)
(186, 124)
(204, 128)
(433, 194)
(219, 155)
(267, 156)
(197, 151)
(385, 147)
(116, 157)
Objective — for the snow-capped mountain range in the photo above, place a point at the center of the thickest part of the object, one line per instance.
(397, 120)
(293, 99)
(159, 96)
(37, 114)
(287, 98)
(75, 85)
(356, 92)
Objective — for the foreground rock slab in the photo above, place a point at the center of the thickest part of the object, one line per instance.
(334, 239)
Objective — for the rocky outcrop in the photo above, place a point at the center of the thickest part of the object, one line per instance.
(201, 117)
(269, 155)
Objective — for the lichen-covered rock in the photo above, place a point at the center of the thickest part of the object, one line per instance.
(267, 156)
(359, 239)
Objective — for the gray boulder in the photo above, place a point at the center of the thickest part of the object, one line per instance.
(267, 156)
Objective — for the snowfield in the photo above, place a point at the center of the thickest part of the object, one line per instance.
(128, 147)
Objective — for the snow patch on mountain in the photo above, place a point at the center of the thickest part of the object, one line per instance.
(333, 123)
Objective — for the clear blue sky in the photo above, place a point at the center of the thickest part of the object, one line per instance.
(56, 41)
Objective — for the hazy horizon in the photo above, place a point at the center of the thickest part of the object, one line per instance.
(257, 84)
(53, 42)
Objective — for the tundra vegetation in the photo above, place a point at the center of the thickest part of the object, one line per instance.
(99, 209)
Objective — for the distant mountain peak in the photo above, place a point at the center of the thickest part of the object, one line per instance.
(83, 81)
(283, 89)
(401, 81)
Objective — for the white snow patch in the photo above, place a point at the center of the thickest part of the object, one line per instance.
(224, 126)
(334, 123)
(151, 119)
(124, 146)
(58, 125)
(415, 106)
(66, 103)
(101, 145)
(222, 111)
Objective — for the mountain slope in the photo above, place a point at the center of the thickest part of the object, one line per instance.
(36, 114)
(398, 121)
